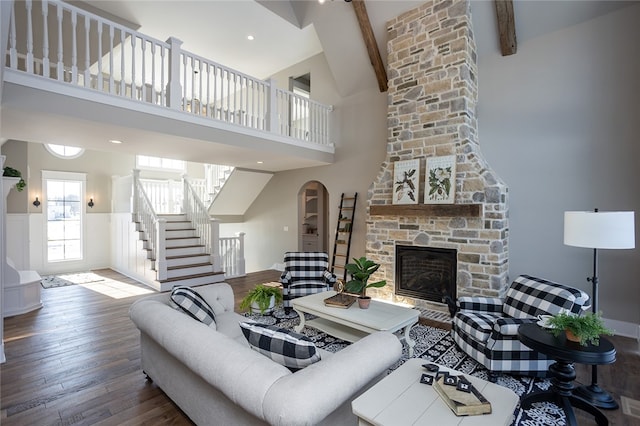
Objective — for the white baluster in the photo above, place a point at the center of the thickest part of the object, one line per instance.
(74, 47)
(200, 109)
(60, 65)
(111, 68)
(100, 82)
(133, 66)
(163, 101)
(215, 92)
(184, 79)
(143, 46)
(153, 74)
(29, 64)
(46, 71)
(123, 85)
(87, 55)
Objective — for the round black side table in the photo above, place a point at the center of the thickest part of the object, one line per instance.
(562, 372)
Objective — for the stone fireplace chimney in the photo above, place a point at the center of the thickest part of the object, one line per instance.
(432, 98)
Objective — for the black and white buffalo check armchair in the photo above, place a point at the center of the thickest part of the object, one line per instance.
(305, 273)
(487, 328)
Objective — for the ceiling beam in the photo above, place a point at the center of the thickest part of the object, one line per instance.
(370, 42)
(506, 27)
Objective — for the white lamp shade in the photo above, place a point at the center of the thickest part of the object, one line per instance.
(602, 230)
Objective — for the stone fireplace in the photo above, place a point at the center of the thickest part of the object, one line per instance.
(432, 112)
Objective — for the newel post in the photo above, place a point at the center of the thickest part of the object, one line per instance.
(135, 203)
(161, 250)
(240, 266)
(215, 243)
(174, 88)
(272, 106)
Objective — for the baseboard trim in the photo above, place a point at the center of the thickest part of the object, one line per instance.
(622, 328)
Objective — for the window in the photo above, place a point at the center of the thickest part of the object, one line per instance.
(64, 151)
(157, 163)
(65, 215)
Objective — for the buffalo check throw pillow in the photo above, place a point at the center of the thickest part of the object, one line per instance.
(285, 347)
(192, 304)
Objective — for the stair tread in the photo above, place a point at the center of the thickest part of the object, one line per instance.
(182, 238)
(191, 265)
(186, 277)
(182, 247)
(184, 256)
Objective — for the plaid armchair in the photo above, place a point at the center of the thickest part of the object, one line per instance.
(487, 328)
(305, 273)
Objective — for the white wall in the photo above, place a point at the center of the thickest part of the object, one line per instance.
(360, 136)
(559, 122)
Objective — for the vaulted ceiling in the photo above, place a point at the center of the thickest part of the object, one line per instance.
(289, 31)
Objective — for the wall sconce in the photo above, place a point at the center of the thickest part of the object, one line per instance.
(36, 202)
(91, 203)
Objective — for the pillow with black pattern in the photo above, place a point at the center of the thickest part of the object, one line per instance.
(285, 347)
(191, 303)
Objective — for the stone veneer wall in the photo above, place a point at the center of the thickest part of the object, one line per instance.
(432, 112)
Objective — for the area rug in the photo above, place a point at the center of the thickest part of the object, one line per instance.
(437, 345)
(70, 279)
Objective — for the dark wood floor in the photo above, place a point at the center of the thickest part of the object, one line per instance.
(77, 361)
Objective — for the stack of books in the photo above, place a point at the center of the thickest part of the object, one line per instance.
(340, 300)
(461, 396)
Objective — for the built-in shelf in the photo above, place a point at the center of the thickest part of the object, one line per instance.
(436, 210)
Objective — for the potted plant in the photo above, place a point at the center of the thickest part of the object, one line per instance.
(361, 270)
(586, 328)
(11, 172)
(262, 299)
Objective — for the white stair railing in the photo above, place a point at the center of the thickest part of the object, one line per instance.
(153, 227)
(232, 255)
(215, 178)
(165, 195)
(55, 40)
(207, 228)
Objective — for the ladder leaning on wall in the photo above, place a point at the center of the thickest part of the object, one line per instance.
(342, 242)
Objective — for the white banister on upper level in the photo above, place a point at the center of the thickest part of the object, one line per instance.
(56, 40)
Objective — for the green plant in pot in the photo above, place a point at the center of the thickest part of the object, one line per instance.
(361, 270)
(262, 299)
(11, 172)
(586, 328)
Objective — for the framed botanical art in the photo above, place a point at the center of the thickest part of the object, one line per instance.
(406, 176)
(440, 180)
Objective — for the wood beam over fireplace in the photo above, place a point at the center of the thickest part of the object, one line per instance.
(370, 41)
(506, 27)
(435, 210)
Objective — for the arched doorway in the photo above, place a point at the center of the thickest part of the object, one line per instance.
(313, 217)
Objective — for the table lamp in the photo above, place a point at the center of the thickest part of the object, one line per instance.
(598, 230)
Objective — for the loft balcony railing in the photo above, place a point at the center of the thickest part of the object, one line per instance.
(58, 41)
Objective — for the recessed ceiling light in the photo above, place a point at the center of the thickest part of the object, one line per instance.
(115, 141)
(260, 162)
(250, 37)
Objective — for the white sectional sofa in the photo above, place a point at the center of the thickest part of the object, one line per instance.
(217, 379)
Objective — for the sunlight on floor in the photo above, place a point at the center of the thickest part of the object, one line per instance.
(116, 289)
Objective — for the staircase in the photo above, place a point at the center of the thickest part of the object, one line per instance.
(186, 258)
(182, 249)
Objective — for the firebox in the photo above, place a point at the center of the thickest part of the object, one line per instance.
(426, 273)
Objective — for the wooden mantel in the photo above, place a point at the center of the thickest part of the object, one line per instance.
(435, 210)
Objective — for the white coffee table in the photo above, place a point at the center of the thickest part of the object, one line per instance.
(353, 323)
(400, 399)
